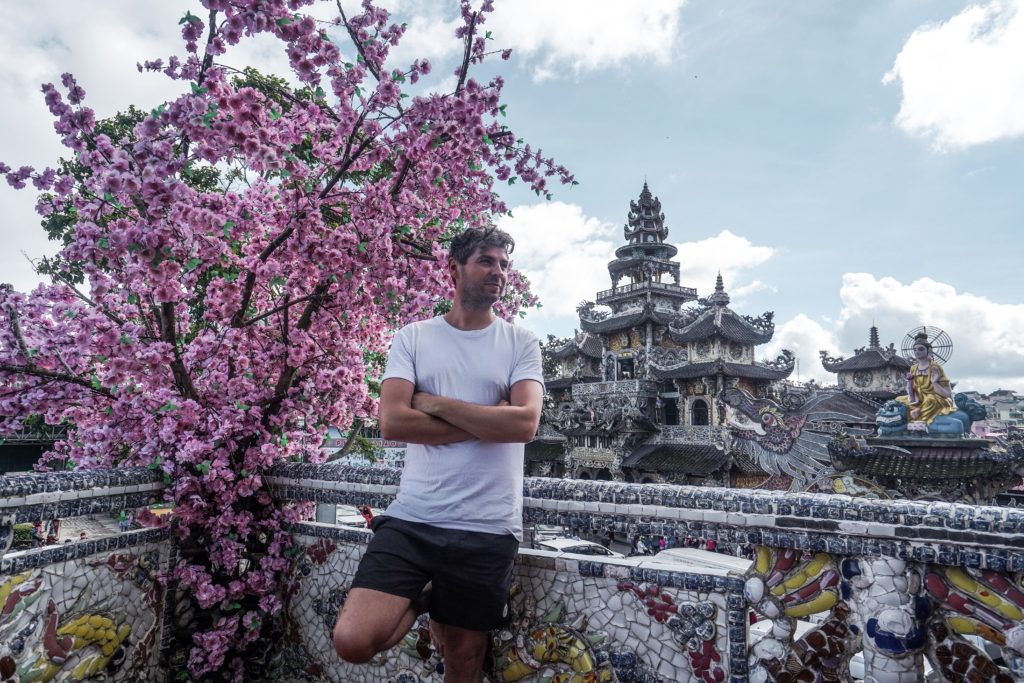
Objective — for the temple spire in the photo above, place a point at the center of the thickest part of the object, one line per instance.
(873, 341)
(719, 298)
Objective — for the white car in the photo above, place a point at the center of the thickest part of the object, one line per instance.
(546, 532)
(576, 547)
(348, 515)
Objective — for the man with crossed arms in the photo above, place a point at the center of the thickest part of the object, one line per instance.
(464, 390)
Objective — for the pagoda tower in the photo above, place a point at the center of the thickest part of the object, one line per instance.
(873, 371)
(642, 299)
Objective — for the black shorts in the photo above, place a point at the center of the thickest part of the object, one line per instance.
(470, 571)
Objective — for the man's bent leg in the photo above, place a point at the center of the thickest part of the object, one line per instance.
(463, 652)
(371, 622)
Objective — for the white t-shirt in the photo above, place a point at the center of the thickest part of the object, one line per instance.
(471, 485)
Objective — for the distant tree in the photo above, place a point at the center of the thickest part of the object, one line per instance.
(233, 263)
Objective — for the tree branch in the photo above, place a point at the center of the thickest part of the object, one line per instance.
(283, 307)
(48, 374)
(359, 46)
(465, 55)
(168, 334)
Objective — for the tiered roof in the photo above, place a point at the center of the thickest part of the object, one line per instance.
(871, 357)
(715, 318)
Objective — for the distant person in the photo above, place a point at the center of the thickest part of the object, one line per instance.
(464, 390)
(367, 513)
(662, 543)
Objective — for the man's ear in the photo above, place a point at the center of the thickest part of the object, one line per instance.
(453, 269)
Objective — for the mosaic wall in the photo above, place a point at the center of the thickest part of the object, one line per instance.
(85, 610)
(886, 589)
(572, 621)
(89, 616)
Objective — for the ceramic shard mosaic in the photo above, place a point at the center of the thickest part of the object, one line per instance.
(572, 621)
(88, 618)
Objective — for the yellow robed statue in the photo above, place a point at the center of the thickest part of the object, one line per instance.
(928, 392)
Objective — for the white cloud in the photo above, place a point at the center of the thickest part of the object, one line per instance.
(805, 338)
(586, 35)
(701, 261)
(551, 39)
(963, 80)
(988, 337)
(565, 254)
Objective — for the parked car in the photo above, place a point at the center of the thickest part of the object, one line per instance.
(348, 515)
(546, 532)
(576, 547)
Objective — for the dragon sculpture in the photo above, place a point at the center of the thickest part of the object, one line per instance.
(793, 442)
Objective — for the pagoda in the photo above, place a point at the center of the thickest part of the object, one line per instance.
(634, 394)
(873, 371)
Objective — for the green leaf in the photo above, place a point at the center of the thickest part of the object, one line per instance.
(283, 21)
(284, 439)
(319, 92)
(196, 90)
(204, 467)
(487, 139)
(167, 407)
(104, 243)
(285, 173)
(227, 227)
(95, 383)
(502, 109)
(274, 115)
(362, 247)
(158, 111)
(487, 35)
(192, 264)
(189, 18)
(512, 180)
(125, 339)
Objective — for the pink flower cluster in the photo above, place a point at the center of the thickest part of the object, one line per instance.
(222, 331)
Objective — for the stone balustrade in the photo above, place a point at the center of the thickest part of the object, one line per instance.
(880, 589)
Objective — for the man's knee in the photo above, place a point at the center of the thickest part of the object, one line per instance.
(354, 645)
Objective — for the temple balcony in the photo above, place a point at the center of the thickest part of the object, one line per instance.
(624, 387)
(695, 434)
(840, 586)
(623, 292)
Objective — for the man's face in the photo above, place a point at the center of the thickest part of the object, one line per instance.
(920, 351)
(481, 281)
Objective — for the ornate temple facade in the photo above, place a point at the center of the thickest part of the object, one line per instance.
(633, 396)
(874, 371)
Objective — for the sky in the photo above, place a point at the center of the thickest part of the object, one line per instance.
(840, 163)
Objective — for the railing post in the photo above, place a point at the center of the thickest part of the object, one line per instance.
(887, 609)
(6, 533)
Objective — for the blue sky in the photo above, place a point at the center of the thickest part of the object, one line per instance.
(841, 163)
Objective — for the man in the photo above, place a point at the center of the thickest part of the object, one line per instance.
(464, 390)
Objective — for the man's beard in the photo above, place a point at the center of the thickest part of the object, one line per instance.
(479, 299)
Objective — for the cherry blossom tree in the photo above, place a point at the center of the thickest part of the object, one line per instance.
(212, 329)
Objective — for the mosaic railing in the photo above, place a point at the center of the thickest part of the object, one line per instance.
(892, 587)
(701, 434)
(87, 609)
(626, 387)
(615, 292)
(895, 587)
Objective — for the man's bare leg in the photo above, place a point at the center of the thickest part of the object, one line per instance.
(463, 652)
(371, 622)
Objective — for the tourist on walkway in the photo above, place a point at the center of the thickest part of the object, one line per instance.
(464, 390)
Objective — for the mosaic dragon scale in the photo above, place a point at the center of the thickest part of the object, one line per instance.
(793, 443)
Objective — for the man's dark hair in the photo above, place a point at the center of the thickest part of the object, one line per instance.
(468, 241)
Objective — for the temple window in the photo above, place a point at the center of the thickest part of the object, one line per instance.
(699, 413)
